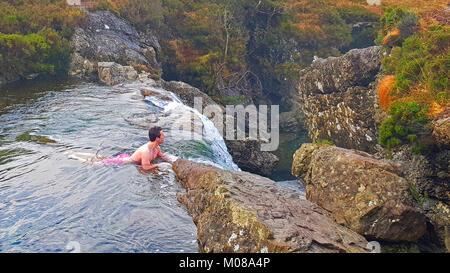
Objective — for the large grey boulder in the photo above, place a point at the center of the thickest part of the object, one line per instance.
(112, 73)
(339, 100)
(358, 67)
(365, 194)
(107, 38)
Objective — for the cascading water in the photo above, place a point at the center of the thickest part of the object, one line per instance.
(207, 133)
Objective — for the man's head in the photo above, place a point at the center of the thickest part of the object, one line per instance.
(156, 134)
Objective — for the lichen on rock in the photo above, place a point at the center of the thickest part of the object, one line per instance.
(338, 98)
(363, 193)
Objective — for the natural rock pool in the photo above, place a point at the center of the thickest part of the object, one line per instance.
(48, 200)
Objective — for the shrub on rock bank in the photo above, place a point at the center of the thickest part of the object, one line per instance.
(417, 86)
(408, 123)
(44, 51)
(422, 60)
(34, 36)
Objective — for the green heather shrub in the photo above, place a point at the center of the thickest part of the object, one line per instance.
(400, 18)
(411, 138)
(420, 199)
(44, 51)
(408, 24)
(34, 36)
(355, 14)
(422, 59)
(107, 5)
(234, 100)
(407, 123)
(26, 17)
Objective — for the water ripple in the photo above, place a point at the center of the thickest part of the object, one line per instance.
(48, 200)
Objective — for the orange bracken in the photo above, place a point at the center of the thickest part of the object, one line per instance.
(384, 88)
(394, 33)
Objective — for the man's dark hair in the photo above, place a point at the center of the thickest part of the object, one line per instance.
(154, 132)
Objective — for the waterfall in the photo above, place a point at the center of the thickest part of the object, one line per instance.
(210, 135)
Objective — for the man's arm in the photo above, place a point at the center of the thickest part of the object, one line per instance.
(164, 156)
(145, 163)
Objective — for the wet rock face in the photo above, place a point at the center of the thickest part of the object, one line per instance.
(338, 101)
(345, 118)
(357, 67)
(110, 39)
(242, 212)
(363, 193)
(292, 121)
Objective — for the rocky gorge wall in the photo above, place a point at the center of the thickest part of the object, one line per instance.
(337, 101)
(339, 98)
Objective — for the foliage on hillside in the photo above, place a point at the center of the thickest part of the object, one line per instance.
(34, 36)
(417, 85)
(423, 61)
(417, 6)
(419, 59)
(396, 25)
(246, 44)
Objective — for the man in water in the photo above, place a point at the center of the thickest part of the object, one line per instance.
(144, 155)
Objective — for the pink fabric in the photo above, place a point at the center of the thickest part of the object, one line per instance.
(116, 160)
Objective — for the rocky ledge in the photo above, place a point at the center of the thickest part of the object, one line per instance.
(243, 212)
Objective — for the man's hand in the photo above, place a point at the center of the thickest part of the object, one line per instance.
(167, 157)
(150, 171)
(164, 164)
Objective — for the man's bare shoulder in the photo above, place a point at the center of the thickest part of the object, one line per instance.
(140, 151)
(144, 147)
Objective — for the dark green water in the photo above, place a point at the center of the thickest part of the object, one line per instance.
(289, 143)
